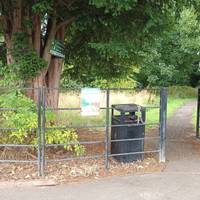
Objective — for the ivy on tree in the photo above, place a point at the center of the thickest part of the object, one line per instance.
(27, 63)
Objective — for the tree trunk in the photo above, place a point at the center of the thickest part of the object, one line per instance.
(53, 75)
(37, 34)
(33, 86)
(36, 82)
(8, 48)
(52, 82)
(50, 76)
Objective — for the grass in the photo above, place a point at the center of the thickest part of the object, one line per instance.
(172, 104)
(194, 119)
(74, 118)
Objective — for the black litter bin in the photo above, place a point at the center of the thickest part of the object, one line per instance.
(128, 114)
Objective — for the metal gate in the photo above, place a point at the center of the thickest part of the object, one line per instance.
(42, 129)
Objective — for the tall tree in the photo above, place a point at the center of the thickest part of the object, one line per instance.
(173, 58)
(29, 27)
(103, 31)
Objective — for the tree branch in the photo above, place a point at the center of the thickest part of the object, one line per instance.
(65, 23)
(6, 25)
(50, 37)
(67, 4)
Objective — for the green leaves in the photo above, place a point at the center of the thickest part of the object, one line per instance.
(172, 57)
(43, 6)
(111, 49)
(108, 39)
(25, 120)
(189, 29)
(67, 137)
(115, 7)
(27, 62)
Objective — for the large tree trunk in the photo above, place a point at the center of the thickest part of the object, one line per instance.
(52, 82)
(52, 79)
(41, 42)
(40, 80)
(36, 82)
(10, 30)
(49, 81)
(49, 78)
(33, 86)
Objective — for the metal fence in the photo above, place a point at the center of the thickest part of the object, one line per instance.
(41, 130)
(198, 114)
(37, 130)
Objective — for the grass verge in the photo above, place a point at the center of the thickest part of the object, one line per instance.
(172, 105)
(74, 117)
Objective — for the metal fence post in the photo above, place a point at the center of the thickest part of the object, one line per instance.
(198, 113)
(39, 130)
(107, 128)
(43, 131)
(163, 123)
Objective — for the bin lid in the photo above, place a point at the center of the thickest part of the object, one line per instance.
(127, 107)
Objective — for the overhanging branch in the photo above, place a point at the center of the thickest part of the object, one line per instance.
(65, 23)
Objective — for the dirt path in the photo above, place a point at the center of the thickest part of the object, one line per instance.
(182, 149)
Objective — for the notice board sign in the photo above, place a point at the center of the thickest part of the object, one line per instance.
(90, 101)
(57, 49)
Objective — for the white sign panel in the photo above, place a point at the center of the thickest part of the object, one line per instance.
(90, 101)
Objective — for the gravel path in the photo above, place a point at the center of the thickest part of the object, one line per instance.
(182, 149)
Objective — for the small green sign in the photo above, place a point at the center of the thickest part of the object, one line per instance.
(57, 49)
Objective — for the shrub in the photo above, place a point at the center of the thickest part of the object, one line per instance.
(68, 83)
(25, 120)
(182, 92)
(114, 83)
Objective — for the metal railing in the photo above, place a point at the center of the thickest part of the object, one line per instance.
(41, 129)
(198, 114)
(36, 129)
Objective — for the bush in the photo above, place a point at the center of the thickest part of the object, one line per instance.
(25, 119)
(68, 83)
(182, 92)
(113, 83)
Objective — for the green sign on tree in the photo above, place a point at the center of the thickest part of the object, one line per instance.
(57, 49)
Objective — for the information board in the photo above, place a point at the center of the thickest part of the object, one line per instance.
(90, 101)
(57, 49)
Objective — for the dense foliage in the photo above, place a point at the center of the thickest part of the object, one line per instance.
(22, 116)
(105, 44)
(27, 62)
(174, 57)
(160, 40)
(106, 40)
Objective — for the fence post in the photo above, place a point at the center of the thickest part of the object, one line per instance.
(107, 128)
(39, 130)
(43, 131)
(198, 113)
(163, 123)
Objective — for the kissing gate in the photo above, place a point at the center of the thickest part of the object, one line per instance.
(101, 140)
